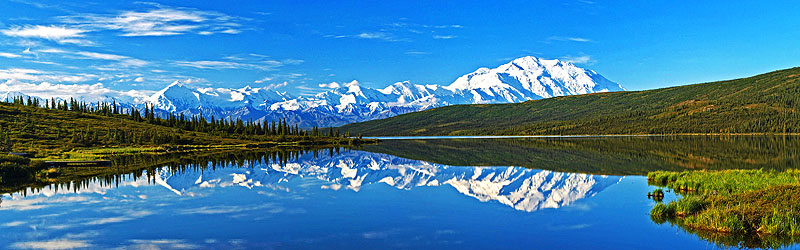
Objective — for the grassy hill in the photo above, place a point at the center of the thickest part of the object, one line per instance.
(49, 132)
(767, 103)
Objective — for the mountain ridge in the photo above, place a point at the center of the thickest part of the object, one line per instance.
(525, 78)
(522, 79)
(766, 103)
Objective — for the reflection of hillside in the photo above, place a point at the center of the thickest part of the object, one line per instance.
(521, 188)
(606, 155)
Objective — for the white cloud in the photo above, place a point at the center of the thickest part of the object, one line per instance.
(454, 26)
(373, 35)
(9, 55)
(50, 50)
(36, 75)
(331, 85)
(163, 21)
(569, 39)
(124, 61)
(94, 55)
(276, 85)
(263, 80)
(52, 32)
(292, 61)
(443, 37)
(58, 34)
(385, 36)
(579, 59)
(417, 53)
(93, 92)
(382, 36)
(211, 64)
(139, 79)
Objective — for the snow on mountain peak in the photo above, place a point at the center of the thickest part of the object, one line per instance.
(522, 79)
(529, 78)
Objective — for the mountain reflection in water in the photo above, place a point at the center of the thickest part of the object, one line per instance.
(521, 188)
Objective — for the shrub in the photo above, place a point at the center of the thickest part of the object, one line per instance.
(11, 172)
(14, 159)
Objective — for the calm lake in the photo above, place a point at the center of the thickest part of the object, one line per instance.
(454, 193)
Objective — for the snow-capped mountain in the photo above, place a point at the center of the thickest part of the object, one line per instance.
(521, 188)
(530, 78)
(526, 78)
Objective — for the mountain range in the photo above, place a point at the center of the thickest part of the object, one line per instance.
(522, 79)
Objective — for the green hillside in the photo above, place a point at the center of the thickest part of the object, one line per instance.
(767, 103)
(69, 133)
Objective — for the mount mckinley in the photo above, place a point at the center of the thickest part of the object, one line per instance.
(523, 79)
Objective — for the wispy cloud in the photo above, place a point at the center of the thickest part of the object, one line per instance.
(412, 52)
(123, 61)
(579, 59)
(47, 90)
(240, 61)
(443, 37)
(402, 31)
(37, 75)
(569, 39)
(451, 26)
(286, 78)
(385, 36)
(265, 65)
(9, 55)
(60, 34)
(164, 21)
(331, 85)
(102, 56)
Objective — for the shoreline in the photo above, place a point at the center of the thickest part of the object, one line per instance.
(434, 137)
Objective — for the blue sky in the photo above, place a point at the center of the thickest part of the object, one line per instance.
(293, 46)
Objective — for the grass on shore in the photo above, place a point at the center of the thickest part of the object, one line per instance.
(743, 202)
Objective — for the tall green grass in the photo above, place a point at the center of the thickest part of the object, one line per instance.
(742, 202)
(723, 182)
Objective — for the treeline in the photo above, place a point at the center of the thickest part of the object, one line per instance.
(198, 123)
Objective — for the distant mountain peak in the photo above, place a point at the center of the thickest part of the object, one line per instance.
(528, 78)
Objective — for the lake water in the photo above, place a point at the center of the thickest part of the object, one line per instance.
(479, 193)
